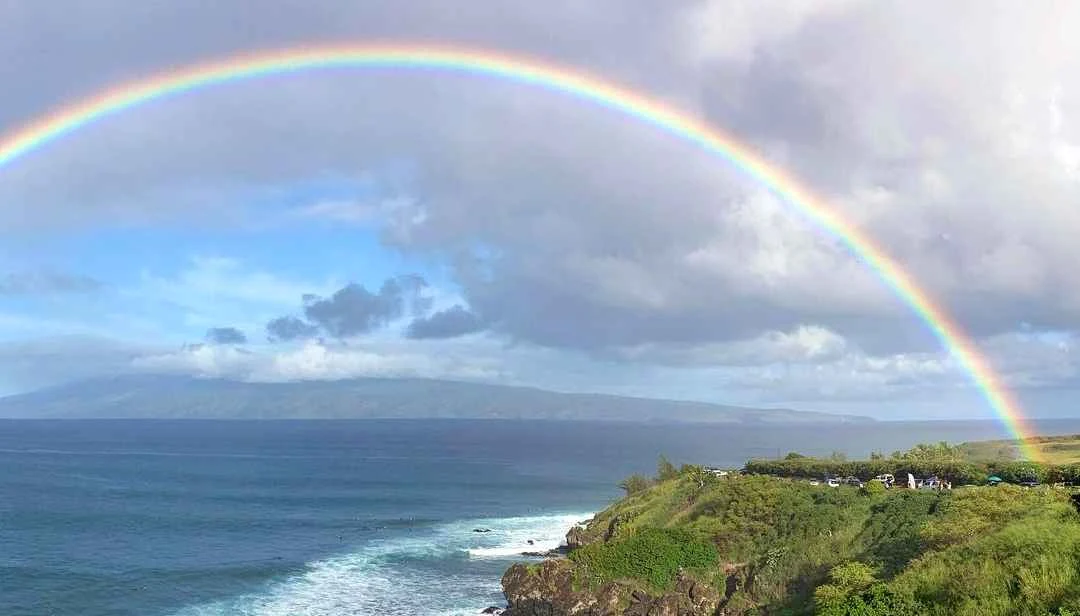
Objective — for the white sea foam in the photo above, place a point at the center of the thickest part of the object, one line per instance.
(403, 575)
(511, 537)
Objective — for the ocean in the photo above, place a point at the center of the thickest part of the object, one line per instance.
(334, 518)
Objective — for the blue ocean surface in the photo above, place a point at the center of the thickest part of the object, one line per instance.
(187, 518)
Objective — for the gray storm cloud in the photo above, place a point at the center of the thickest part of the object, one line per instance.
(450, 323)
(949, 136)
(353, 310)
(225, 335)
(289, 328)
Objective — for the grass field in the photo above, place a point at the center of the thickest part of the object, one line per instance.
(1047, 449)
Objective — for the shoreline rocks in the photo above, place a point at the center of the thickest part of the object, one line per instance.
(548, 589)
(558, 552)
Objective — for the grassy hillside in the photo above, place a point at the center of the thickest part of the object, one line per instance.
(782, 546)
(1048, 449)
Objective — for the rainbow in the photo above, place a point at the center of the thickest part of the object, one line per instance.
(69, 119)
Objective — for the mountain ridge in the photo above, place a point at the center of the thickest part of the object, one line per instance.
(183, 397)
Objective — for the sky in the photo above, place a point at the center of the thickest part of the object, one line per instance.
(343, 223)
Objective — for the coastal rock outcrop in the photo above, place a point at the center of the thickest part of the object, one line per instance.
(548, 589)
(577, 537)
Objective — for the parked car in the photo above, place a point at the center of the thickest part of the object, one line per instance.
(886, 479)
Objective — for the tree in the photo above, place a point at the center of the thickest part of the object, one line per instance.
(665, 470)
(697, 474)
(635, 484)
(794, 456)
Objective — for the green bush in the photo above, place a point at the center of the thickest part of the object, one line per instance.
(665, 470)
(853, 590)
(877, 600)
(1019, 472)
(891, 535)
(874, 487)
(635, 484)
(959, 473)
(652, 555)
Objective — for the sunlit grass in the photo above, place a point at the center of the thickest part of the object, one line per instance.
(973, 551)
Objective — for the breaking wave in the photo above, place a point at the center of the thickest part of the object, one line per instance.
(446, 569)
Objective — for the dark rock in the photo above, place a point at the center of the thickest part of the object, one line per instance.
(688, 598)
(558, 552)
(496, 610)
(481, 530)
(613, 528)
(576, 538)
(547, 589)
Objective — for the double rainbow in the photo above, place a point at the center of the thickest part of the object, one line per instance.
(69, 119)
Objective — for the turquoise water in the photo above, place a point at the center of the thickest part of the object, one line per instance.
(331, 517)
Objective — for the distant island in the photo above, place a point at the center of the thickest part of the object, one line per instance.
(771, 539)
(173, 397)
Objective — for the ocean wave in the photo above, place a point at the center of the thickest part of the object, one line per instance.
(445, 571)
(511, 538)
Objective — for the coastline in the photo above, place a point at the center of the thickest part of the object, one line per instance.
(691, 542)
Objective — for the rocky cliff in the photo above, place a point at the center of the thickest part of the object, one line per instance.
(554, 588)
(695, 545)
(549, 589)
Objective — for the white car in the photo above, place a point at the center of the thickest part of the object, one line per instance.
(833, 483)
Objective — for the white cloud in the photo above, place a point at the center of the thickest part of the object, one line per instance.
(357, 212)
(316, 361)
(949, 135)
(350, 212)
(225, 279)
(805, 344)
(216, 291)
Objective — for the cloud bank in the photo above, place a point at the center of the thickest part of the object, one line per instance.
(950, 136)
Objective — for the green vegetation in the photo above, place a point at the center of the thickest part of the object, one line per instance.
(665, 470)
(652, 555)
(776, 545)
(635, 484)
(1058, 450)
(964, 464)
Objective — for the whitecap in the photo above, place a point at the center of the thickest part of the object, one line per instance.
(404, 576)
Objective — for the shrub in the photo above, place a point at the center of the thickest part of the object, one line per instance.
(635, 484)
(891, 534)
(665, 470)
(855, 591)
(653, 555)
(874, 487)
(877, 600)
